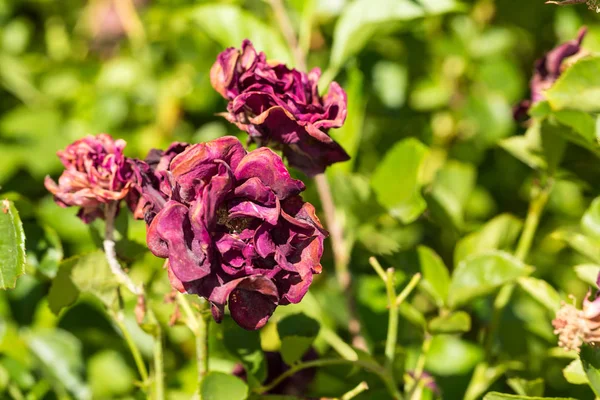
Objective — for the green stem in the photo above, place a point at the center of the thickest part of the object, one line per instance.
(374, 368)
(338, 344)
(532, 221)
(199, 327)
(413, 391)
(135, 352)
(202, 349)
(356, 391)
(159, 370)
(408, 289)
(534, 214)
(392, 333)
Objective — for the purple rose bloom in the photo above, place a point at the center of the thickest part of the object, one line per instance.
(96, 173)
(548, 69)
(233, 228)
(281, 107)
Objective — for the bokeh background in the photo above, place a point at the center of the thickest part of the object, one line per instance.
(139, 70)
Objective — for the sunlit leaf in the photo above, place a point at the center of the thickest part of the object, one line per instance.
(12, 245)
(219, 386)
(482, 274)
(396, 180)
(297, 333)
(578, 88)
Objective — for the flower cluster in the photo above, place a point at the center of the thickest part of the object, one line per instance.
(575, 327)
(96, 173)
(282, 107)
(233, 228)
(231, 223)
(548, 69)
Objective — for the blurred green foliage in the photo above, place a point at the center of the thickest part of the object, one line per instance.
(439, 183)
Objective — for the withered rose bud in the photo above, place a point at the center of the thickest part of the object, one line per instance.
(233, 228)
(575, 327)
(548, 69)
(96, 173)
(281, 107)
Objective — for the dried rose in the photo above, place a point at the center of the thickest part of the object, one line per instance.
(281, 107)
(96, 173)
(548, 69)
(234, 229)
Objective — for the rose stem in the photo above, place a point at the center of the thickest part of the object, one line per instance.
(199, 327)
(159, 369)
(334, 226)
(135, 352)
(536, 208)
(110, 211)
(109, 250)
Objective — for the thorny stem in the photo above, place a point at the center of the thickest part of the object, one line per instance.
(109, 250)
(532, 221)
(374, 368)
(135, 352)
(199, 327)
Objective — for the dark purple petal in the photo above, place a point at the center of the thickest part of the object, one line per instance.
(267, 166)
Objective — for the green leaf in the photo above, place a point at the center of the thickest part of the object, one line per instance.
(575, 374)
(588, 273)
(230, 25)
(89, 273)
(396, 180)
(220, 386)
(498, 234)
(12, 245)
(450, 355)
(524, 387)
(577, 127)
(584, 245)
(436, 278)
(457, 322)
(590, 359)
(450, 192)
(578, 88)
(245, 345)
(362, 18)
(297, 333)
(541, 291)
(109, 375)
(541, 147)
(482, 274)
(60, 354)
(504, 396)
(590, 222)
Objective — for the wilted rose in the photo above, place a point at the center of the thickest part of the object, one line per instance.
(96, 173)
(282, 107)
(548, 69)
(233, 228)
